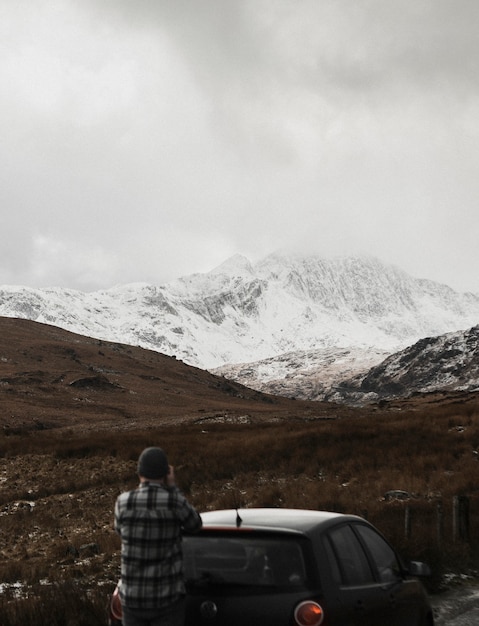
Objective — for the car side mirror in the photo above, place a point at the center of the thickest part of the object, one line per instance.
(417, 568)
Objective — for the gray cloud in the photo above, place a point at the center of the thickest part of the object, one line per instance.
(145, 140)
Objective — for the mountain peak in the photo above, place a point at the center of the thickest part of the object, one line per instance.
(236, 265)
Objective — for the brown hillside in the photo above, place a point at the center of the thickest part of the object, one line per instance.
(51, 378)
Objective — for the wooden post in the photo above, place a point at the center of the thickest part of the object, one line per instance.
(440, 523)
(455, 518)
(407, 521)
(465, 518)
(460, 521)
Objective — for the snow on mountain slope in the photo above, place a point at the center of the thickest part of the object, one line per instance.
(448, 362)
(243, 313)
(303, 375)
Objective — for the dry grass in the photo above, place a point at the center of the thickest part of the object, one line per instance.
(59, 488)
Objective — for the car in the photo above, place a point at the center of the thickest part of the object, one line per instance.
(292, 567)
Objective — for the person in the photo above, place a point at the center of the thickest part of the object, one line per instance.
(150, 521)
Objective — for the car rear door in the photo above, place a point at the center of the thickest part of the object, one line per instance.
(405, 597)
(245, 578)
(355, 596)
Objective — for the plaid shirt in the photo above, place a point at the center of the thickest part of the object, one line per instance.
(149, 521)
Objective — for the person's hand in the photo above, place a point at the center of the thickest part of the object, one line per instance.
(170, 477)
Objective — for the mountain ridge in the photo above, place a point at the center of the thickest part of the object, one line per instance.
(246, 313)
(446, 363)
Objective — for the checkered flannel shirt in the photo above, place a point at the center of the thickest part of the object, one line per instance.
(150, 521)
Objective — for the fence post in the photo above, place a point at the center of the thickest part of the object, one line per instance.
(460, 521)
(407, 521)
(440, 523)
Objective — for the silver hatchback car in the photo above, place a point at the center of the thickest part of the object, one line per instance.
(290, 567)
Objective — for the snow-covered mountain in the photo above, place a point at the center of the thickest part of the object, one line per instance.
(305, 375)
(449, 362)
(311, 309)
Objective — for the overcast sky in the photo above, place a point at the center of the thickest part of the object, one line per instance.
(142, 140)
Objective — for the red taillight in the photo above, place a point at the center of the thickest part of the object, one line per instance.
(115, 606)
(308, 613)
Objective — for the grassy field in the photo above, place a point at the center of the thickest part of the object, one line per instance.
(59, 555)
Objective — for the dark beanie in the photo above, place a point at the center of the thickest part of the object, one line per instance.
(153, 463)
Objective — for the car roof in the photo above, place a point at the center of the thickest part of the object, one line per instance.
(293, 520)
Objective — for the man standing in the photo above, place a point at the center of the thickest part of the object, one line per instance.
(150, 521)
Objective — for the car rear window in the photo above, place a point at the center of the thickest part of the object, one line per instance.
(244, 559)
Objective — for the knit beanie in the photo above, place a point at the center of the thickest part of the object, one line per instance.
(153, 463)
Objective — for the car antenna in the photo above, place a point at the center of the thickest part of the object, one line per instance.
(239, 521)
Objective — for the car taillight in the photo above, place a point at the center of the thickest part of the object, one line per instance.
(308, 613)
(115, 605)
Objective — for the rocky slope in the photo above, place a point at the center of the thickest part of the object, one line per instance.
(445, 363)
